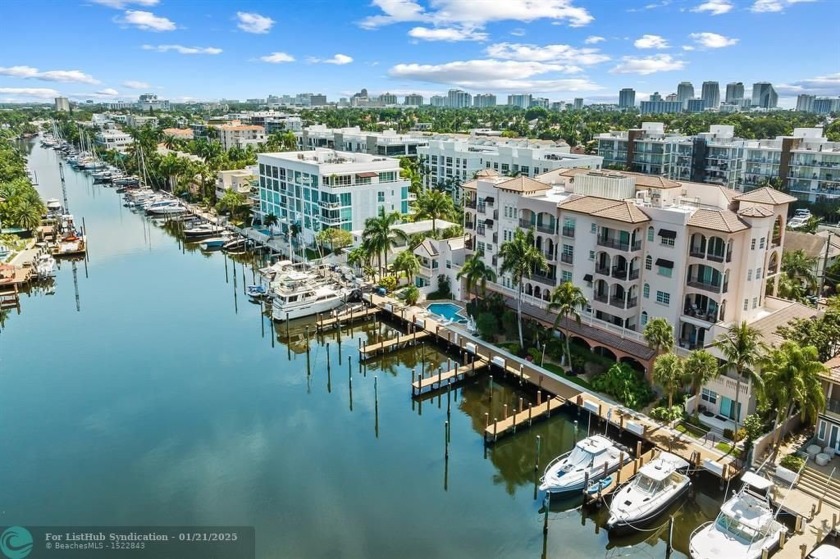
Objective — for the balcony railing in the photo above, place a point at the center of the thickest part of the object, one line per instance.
(567, 258)
(833, 406)
(469, 204)
(546, 280)
(481, 208)
(468, 244)
(705, 315)
(469, 225)
(568, 232)
(713, 287)
(550, 229)
(603, 271)
(697, 253)
(525, 223)
(617, 302)
(619, 245)
(549, 255)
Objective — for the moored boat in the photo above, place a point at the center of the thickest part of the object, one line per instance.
(307, 298)
(213, 243)
(202, 231)
(44, 266)
(592, 459)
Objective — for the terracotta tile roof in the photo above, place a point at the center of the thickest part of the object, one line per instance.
(717, 220)
(755, 211)
(470, 184)
(587, 204)
(642, 180)
(727, 192)
(766, 195)
(523, 184)
(625, 211)
(832, 372)
(484, 173)
(769, 324)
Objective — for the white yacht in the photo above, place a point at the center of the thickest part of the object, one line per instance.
(202, 231)
(649, 493)
(592, 459)
(44, 266)
(294, 299)
(745, 527)
(53, 206)
(166, 207)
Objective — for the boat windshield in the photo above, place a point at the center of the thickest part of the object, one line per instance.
(646, 484)
(733, 526)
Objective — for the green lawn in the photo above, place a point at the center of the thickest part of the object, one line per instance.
(728, 448)
(558, 370)
(692, 430)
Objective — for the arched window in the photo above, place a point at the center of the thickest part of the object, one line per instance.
(644, 317)
(648, 262)
(650, 236)
(646, 291)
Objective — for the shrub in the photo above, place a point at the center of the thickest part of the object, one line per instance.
(443, 286)
(487, 326)
(625, 385)
(510, 325)
(666, 414)
(535, 354)
(411, 295)
(389, 283)
(792, 462)
(727, 434)
(753, 427)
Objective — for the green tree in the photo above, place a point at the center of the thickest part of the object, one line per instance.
(270, 221)
(669, 373)
(234, 202)
(434, 205)
(700, 368)
(476, 273)
(567, 300)
(336, 238)
(520, 258)
(659, 335)
(797, 265)
(742, 350)
(406, 262)
(791, 376)
(380, 236)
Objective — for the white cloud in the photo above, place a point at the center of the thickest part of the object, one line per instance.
(107, 92)
(277, 58)
(132, 84)
(518, 32)
(252, 22)
(29, 92)
(180, 49)
(450, 34)
(338, 59)
(447, 13)
(763, 6)
(712, 40)
(828, 86)
(490, 74)
(30, 73)
(648, 65)
(147, 21)
(651, 42)
(594, 39)
(714, 7)
(120, 4)
(547, 53)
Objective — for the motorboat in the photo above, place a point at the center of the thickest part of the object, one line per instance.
(745, 527)
(202, 231)
(238, 244)
(649, 493)
(291, 300)
(599, 485)
(166, 207)
(44, 266)
(592, 459)
(53, 206)
(213, 243)
(256, 292)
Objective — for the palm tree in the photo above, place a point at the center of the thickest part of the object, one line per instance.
(669, 373)
(520, 258)
(434, 205)
(700, 367)
(380, 236)
(477, 273)
(270, 221)
(567, 299)
(294, 233)
(798, 265)
(792, 379)
(407, 262)
(659, 335)
(742, 351)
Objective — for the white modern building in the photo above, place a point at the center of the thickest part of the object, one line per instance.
(237, 134)
(453, 160)
(640, 247)
(441, 257)
(139, 121)
(354, 139)
(521, 100)
(114, 139)
(327, 188)
(62, 104)
(242, 181)
(150, 102)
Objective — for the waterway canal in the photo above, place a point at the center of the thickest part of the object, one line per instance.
(165, 399)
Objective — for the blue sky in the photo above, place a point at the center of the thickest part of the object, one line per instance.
(560, 49)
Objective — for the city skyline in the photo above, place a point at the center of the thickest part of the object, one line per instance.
(558, 49)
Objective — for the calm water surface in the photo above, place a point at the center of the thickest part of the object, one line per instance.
(166, 399)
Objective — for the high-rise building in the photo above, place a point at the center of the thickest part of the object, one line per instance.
(458, 99)
(671, 97)
(764, 96)
(734, 92)
(523, 100)
(655, 97)
(826, 105)
(805, 102)
(627, 98)
(655, 105)
(387, 99)
(710, 93)
(317, 100)
(62, 104)
(695, 105)
(437, 101)
(484, 100)
(685, 91)
(578, 103)
(413, 99)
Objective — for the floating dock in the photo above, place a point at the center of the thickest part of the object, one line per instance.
(327, 322)
(440, 380)
(523, 418)
(401, 341)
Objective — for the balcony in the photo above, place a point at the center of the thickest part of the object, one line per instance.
(603, 271)
(567, 258)
(621, 274)
(481, 208)
(712, 287)
(706, 315)
(568, 232)
(469, 225)
(468, 244)
(469, 204)
(619, 245)
(330, 205)
(832, 406)
(550, 229)
(617, 302)
(549, 255)
(545, 280)
(525, 223)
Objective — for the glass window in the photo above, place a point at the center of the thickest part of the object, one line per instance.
(746, 304)
(667, 241)
(663, 298)
(749, 275)
(566, 276)
(752, 244)
(761, 242)
(592, 255)
(380, 196)
(708, 396)
(755, 302)
(648, 262)
(650, 234)
(594, 228)
(646, 291)
(663, 271)
(644, 317)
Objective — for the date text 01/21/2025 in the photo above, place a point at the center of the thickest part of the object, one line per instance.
(186, 542)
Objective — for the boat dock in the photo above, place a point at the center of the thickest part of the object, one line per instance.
(369, 350)
(327, 322)
(441, 379)
(622, 475)
(523, 418)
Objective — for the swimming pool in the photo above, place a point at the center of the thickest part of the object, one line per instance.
(449, 311)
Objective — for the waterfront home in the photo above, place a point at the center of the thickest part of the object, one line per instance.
(828, 424)
(441, 257)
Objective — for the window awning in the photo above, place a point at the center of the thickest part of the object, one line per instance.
(367, 175)
(587, 277)
(664, 263)
(489, 200)
(667, 233)
(488, 222)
